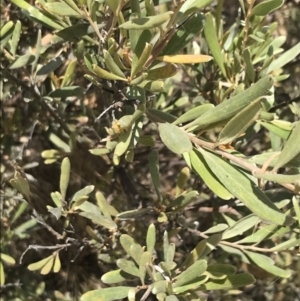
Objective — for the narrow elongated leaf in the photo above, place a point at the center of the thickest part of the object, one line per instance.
(57, 264)
(285, 58)
(244, 189)
(293, 242)
(277, 178)
(194, 113)
(139, 63)
(182, 201)
(83, 192)
(267, 264)
(64, 177)
(62, 9)
(8, 259)
(174, 138)
(275, 129)
(212, 182)
(151, 238)
(22, 61)
(195, 254)
(102, 73)
(6, 28)
(128, 267)
(15, 37)
(266, 7)
(21, 184)
(260, 234)
(191, 273)
(223, 268)
(184, 34)
(37, 14)
(2, 274)
(39, 264)
(147, 22)
(213, 43)
(154, 171)
(107, 294)
(211, 243)
(165, 71)
(185, 58)
(234, 105)
(116, 276)
(192, 285)
(241, 226)
(69, 91)
(111, 65)
(159, 116)
(291, 148)
(216, 229)
(48, 266)
(240, 123)
(100, 220)
(231, 282)
(145, 260)
(191, 6)
(297, 208)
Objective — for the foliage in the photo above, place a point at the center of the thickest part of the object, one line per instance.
(172, 81)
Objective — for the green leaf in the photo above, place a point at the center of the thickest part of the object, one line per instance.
(291, 148)
(116, 276)
(260, 234)
(8, 259)
(297, 208)
(64, 177)
(291, 243)
(174, 138)
(18, 212)
(195, 254)
(234, 105)
(67, 92)
(285, 58)
(57, 264)
(140, 59)
(153, 86)
(203, 170)
(6, 28)
(266, 7)
(194, 113)
(213, 43)
(216, 229)
(241, 226)
(162, 71)
(82, 192)
(223, 268)
(267, 264)
(39, 264)
(37, 14)
(22, 61)
(159, 286)
(21, 184)
(49, 67)
(211, 243)
(2, 274)
(231, 282)
(278, 178)
(184, 34)
(145, 260)
(240, 123)
(107, 294)
(15, 37)
(182, 201)
(99, 219)
(191, 6)
(151, 238)
(275, 129)
(154, 171)
(133, 214)
(191, 286)
(159, 116)
(62, 9)
(106, 74)
(147, 22)
(111, 65)
(244, 189)
(128, 267)
(191, 273)
(234, 251)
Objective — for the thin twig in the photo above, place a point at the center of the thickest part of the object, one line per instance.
(37, 247)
